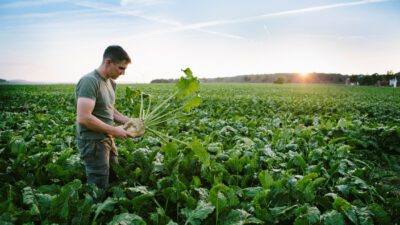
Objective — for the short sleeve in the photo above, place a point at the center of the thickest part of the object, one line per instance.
(87, 87)
(113, 84)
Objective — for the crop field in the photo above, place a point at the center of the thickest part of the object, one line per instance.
(249, 154)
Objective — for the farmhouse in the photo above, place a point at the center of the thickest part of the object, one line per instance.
(393, 82)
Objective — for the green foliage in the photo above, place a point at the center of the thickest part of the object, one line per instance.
(239, 154)
(380, 215)
(127, 219)
(192, 103)
(239, 217)
(311, 215)
(66, 200)
(200, 152)
(346, 208)
(333, 218)
(266, 179)
(30, 199)
(106, 206)
(198, 214)
(223, 197)
(187, 85)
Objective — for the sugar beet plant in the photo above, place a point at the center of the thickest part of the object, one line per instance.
(156, 115)
(256, 154)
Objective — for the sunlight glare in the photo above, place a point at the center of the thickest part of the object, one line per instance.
(303, 74)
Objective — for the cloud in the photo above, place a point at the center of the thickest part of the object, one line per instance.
(141, 2)
(121, 11)
(24, 4)
(201, 26)
(139, 14)
(45, 15)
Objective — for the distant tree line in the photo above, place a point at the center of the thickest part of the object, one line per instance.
(164, 81)
(375, 79)
(280, 78)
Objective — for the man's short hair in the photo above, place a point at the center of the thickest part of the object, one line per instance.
(116, 54)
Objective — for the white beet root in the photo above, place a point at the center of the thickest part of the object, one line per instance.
(135, 126)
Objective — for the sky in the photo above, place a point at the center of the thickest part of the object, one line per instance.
(59, 41)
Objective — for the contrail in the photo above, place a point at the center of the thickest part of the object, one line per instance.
(202, 25)
(178, 26)
(277, 14)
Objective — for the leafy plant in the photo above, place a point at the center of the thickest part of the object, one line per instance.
(153, 116)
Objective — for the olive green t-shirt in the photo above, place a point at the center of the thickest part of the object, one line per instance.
(95, 87)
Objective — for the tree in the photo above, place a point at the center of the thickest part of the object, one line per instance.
(354, 78)
(280, 80)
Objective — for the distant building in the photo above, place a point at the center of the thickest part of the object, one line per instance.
(393, 82)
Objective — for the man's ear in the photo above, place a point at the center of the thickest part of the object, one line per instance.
(107, 61)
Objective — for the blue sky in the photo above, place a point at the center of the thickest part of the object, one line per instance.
(59, 41)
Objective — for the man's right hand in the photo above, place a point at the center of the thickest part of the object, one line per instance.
(135, 127)
(119, 132)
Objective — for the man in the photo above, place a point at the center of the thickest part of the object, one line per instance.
(95, 97)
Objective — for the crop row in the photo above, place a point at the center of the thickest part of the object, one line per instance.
(256, 154)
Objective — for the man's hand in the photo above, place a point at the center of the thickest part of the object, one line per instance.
(120, 132)
(135, 127)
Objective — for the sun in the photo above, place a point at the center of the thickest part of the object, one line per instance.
(303, 74)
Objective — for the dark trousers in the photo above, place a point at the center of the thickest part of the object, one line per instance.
(98, 157)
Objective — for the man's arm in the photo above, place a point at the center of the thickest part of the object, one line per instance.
(84, 117)
(119, 118)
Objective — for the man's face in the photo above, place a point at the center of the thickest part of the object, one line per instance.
(117, 69)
